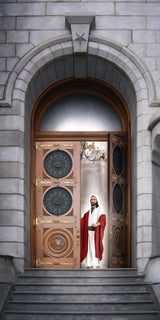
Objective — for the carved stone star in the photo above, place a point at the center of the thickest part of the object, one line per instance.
(80, 37)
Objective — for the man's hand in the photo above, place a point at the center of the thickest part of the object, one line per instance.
(96, 224)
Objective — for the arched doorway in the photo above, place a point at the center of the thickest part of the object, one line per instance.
(56, 234)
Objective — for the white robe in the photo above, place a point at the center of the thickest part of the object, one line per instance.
(91, 260)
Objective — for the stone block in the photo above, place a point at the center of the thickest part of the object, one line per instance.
(41, 23)
(11, 234)
(17, 36)
(71, 8)
(7, 50)
(153, 23)
(3, 77)
(144, 234)
(21, 49)
(11, 138)
(15, 154)
(13, 249)
(67, 48)
(143, 138)
(143, 107)
(142, 94)
(137, 9)
(144, 36)
(1, 92)
(11, 63)
(2, 64)
(144, 218)
(144, 154)
(153, 49)
(12, 202)
(7, 23)
(122, 36)
(2, 36)
(39, 36)
(11, 122)
(141, 264)
(21, 85)
(11, 186)
(18, 95)
(18, 107)
(150, 63)
(92, 48)
(138, 48)
(112, 22)
(144, 250)
(143, 122)
(144, 202)
(22, 9)
(144, 186)
(57, 50)
(12, 218)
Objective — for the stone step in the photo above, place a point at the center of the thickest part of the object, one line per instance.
(79, 279)
(80, 287)
(90, 297)
(80, 272)
(81, 306)
(39, 315)
(80, 294)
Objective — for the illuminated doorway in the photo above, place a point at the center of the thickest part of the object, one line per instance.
(73, 118)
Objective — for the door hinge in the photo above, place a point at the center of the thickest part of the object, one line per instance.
(78, 238)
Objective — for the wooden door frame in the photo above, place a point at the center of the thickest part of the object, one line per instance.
(55, 92)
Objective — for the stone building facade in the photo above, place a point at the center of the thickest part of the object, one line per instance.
(43, 42)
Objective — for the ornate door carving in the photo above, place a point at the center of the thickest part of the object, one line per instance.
(119, 202)
(57, 206)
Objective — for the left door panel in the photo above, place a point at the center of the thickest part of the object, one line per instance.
(57, 204)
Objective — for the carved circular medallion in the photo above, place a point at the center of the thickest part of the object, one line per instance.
(117, 160)
(58, 164)
(57, 242)
(57, 201)
(117, 198)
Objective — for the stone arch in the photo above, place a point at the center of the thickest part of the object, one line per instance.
(104, 60)
(38, 57)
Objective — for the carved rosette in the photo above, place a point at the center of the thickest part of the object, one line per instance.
(57, 201)
(57, 243)
(57, 164)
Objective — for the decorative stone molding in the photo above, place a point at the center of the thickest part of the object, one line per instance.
(80, 27)
(120, 56)
(154, 127)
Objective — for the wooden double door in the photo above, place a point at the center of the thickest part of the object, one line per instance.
(56, 203)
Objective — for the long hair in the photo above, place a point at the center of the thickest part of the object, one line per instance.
(97, 205)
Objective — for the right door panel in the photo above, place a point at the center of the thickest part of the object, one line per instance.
(119, 202)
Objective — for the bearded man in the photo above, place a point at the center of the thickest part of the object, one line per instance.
(93, 223)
